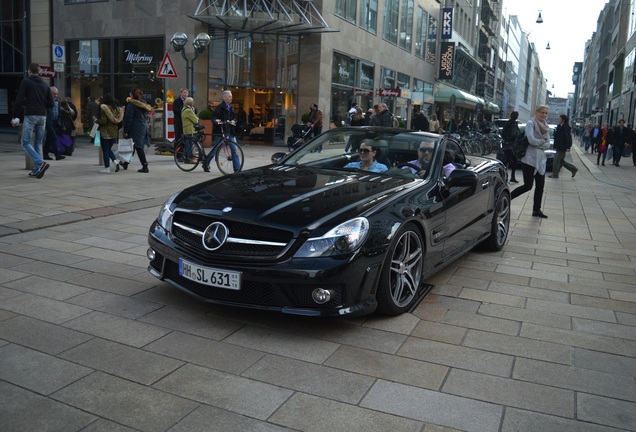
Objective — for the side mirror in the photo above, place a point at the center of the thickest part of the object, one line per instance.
(277, 157)
(463, 178)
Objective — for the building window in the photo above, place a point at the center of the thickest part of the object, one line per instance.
(406, 25)
(420, 33)
(369, 15)
(390, 28)
(346, 9)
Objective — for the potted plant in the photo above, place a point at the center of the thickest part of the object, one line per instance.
(205, 118)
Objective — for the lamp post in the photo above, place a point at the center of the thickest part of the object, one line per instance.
(178, 42)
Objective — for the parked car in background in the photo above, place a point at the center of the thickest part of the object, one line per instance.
(310, 236)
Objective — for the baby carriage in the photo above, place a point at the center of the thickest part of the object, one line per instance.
(299, 134)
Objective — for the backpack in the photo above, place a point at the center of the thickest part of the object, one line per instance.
(521, 145)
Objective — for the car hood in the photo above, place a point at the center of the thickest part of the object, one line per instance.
(290, 196)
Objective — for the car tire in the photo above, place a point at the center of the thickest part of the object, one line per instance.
(402, 272)
(500, 225)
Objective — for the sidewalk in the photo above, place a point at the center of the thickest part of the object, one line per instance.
(540, 336)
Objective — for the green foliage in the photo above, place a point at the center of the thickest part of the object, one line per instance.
(205, 114)
(305, 118)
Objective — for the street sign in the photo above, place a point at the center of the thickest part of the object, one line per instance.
(58, 54)
(58, 67)
(166, 70)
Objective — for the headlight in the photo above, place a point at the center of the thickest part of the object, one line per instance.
(165, 214)
(343, 239)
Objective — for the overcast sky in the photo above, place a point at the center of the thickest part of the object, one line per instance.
(567, 25)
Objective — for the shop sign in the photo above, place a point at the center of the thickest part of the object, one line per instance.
(138, 57)
(85, 59)
(447, 23)
(389, 92)
(447, 61)
(362, 92)
(47, 72)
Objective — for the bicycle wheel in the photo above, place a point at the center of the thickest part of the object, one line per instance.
(187, 160)
(228, 156)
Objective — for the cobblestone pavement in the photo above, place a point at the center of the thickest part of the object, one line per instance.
(538, 337)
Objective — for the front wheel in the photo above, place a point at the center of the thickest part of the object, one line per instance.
(229, 157)
(402, 272)
(500, 225)
(187, 156)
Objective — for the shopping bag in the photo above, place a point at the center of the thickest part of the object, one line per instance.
(98, 139)
(125, 149)
(94, 130)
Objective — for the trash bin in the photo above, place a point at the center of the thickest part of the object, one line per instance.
(268, 135)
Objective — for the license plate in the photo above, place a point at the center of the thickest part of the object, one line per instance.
(213, 277)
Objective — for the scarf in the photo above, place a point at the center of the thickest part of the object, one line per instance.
(541, 127)
(142, 105)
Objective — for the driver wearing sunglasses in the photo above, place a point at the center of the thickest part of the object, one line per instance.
(367, 160)
(424, 156)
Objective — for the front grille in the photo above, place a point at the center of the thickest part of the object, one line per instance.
(257, 292)
(240, 230)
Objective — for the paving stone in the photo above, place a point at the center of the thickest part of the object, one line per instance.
(606, 411)
(428, 406)
(22, 410)
(604, 329)
(308, 378)
(112, 284)
(284, 344)
(492, 297)
(571, 310)
(230, 392)
(583, 287)
(114, 304)
(49, 271)
(56, 290)
(457, 356)
(117, 329)
(626, 319)
(313, 414)
(205, 352)
(388, 367)
(124, 402)
(7, 275)
(604, 303)
(452, 303)
(573, 338)
(529, 292)
(401, 324)
(102, 425)
(36, 371)
(510, 392)
(43, 308)
(516, 420)
(525, 315)
(122, 360)
(40, 335)
(605, 362)
(480, 322)
(439, 332)
(211, 419)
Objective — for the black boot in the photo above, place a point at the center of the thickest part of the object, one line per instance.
(144, 169)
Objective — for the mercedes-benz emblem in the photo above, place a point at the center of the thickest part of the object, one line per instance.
(214, 236)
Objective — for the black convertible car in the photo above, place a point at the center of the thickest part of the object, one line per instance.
(313, 234)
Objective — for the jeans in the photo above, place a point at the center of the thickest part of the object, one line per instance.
(530, 177)
(107, 151)
(236, 161)
(35, 124)
(618, 153)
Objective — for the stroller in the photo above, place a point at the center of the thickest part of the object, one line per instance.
(299, 133)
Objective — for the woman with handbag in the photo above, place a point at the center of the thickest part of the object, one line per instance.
(110, 115)
(66, 127)
(136, 126)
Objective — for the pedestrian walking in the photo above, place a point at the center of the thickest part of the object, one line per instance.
(534, 162)
(136, 126)
(562, 145)
(34, 99)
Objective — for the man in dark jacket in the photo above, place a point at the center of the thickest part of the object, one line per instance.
(177, 107)
(562, 144)
(383, 117)
(420, 122)
(620, 139)
(224, 113)
(33, 100)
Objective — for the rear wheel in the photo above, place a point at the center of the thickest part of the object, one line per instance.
(500, 224)
(187, 159)
(229, 157)
(402, 272)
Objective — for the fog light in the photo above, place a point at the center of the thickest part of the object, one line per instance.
(150, 253)
(321, 296)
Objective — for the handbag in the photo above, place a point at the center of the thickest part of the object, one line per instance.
(98, 139)
(94, 130)
(125, 149)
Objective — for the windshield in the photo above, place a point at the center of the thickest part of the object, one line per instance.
(381, 151)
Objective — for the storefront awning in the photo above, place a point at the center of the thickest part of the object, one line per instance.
(492, 108)
(280, 17)
(462, 98)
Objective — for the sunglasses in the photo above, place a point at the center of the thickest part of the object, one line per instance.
(364, 150)
(426, 150)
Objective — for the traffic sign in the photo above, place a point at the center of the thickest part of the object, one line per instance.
(166, 70)
(58, 54)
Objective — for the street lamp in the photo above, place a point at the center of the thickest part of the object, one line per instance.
(178, 42)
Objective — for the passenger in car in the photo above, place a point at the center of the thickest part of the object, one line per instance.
(449, 166)
(367, 161)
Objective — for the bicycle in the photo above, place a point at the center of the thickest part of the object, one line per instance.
(228, 155)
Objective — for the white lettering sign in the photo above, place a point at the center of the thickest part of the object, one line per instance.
(132, 57)
(85, 59)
